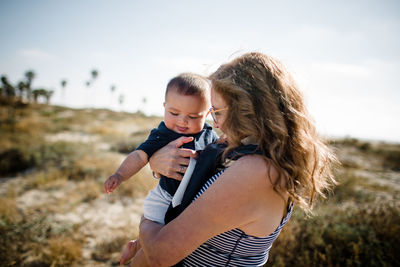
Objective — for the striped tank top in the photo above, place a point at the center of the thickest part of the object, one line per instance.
(234, 247)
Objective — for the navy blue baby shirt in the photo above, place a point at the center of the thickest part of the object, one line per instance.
(161, 136)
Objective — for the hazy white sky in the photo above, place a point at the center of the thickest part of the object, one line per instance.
(344, 54)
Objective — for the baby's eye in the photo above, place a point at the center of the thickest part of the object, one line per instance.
(217, 113)
(193, 117)
(173, 113)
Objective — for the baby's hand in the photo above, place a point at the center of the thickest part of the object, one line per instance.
(112, 182)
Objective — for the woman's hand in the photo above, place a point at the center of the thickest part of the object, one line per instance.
(171, 160)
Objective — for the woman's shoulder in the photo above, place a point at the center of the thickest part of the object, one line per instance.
(252, 178)
(255, 166)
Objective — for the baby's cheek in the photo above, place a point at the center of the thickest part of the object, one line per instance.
(169, 121)
(200, 125)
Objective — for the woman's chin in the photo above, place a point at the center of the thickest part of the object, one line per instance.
(223, 139)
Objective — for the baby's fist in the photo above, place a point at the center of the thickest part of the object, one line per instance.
(112, 182)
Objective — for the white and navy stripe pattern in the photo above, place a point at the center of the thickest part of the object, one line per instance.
(234, 247)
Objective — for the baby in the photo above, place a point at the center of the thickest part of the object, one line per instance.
(187, 99)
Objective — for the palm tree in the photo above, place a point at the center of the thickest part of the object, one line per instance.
(121, 100)
(36, 93)
(8, 88)
(63, 85)
(21, 87)
(144, 101)
(94, 73)
(47, 95)
(43, 94)
(112, 89)
(30, 75)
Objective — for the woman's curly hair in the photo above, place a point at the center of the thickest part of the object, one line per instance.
(264, 102)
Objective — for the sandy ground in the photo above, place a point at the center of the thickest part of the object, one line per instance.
(99, 221)
(105, 218)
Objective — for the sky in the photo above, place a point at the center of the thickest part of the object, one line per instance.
(344, 54)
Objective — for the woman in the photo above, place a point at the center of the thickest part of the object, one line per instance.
(241, 210)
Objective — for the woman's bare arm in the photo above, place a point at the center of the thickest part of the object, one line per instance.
(139, 260)
(239, 198)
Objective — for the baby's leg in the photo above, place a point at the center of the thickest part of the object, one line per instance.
(129, 251)
(156, 204)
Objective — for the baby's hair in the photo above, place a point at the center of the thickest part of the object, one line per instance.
(189, 84)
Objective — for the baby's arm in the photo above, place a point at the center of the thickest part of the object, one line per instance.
(129, 167)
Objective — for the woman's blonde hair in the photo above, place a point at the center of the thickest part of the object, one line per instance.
(264, 102)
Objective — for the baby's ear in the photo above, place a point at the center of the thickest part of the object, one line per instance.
(163, 104)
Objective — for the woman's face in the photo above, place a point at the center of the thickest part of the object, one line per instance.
(218, 103)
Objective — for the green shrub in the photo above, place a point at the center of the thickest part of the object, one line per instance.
(126, 146)
(14, 160)
(391, 159)
(42, 155)
(53, 154)
(351, 187)
(104, 250)
(353, 237)
(32, 240)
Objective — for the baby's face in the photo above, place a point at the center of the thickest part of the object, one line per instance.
(185, 114)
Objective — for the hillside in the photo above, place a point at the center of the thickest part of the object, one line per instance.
(54, 212)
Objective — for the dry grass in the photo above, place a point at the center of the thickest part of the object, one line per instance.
(138, 185)
(111, 249)
(55, 212)
(45, 178)
(356, 225)
(44, 212)
(89, 190)
(351, 187)
(8, 209)
(56, 251)
(351, 237)
(29, 239)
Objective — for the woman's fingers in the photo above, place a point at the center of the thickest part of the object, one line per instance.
(175, 174)
(181, 140)
(182, 169)
(187, 153)
(181, 162)
(169, 160)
